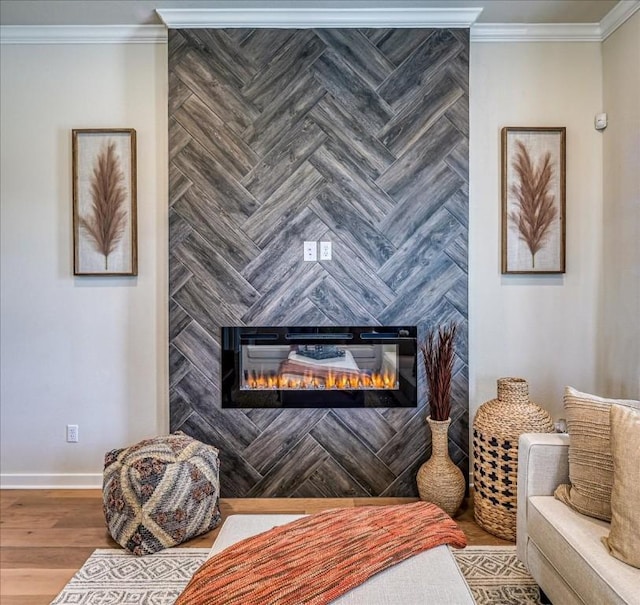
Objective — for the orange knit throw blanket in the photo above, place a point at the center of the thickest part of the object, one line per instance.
(315, 559)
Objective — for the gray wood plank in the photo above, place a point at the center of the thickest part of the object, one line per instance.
(261, 44)
(458, 295)
(458, 159)
(332, 117)
(284, 159)
(415, 298)
(179, 366)
(343, 220)
(305, 313)
(179, 275)
(200, 212)
(225, 100)
(178, 184)
(458, 251)
(206, 264)
(286, 202)
(195, 164)
(179, 229)
(225, 147)
(293, 58)
(360, 54)
(398, 44)
(262, 417)
(285, 110)
(180, 411)
(362, 194)
(179, 92)
(408, 125)
(178, 138)
(292, 470)
(367, 425)
(351, 90)
(409, 79)
(285, 292)
(410, 176)
(273, 443)
(358, 460)
(200, 348)
(421, 249)
(178, 319)
(205, 306)
(222, 54)
(330, 480)
(338, 305)
(458, 115)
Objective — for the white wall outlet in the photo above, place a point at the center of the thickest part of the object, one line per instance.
(310, 251)
(72, 433)
(325, 250)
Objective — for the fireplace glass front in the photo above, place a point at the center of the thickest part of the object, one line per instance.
(302, 367)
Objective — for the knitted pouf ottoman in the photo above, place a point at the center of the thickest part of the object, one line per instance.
(161, 492)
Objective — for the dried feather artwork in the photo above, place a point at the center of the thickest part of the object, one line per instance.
(533, 199)
(104, 197)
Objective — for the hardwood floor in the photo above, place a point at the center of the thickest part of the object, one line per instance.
(46, 535)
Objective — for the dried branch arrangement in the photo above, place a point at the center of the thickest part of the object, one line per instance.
(437, 352)
(106, 221)
(536, 210)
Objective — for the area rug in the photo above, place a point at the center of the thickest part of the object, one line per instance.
(110, 576)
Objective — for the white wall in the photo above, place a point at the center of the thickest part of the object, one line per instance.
(619, 352)
(541, 328)
(92, 351)
(88, 351)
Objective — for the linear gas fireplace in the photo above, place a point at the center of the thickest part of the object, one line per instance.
(317, 367)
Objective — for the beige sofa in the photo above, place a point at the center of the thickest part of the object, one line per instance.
(561, 548)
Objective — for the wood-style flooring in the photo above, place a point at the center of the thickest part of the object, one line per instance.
(46, 535)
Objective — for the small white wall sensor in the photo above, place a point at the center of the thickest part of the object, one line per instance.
(601, 121)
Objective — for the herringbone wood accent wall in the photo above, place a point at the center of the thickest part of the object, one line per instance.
(278, 136)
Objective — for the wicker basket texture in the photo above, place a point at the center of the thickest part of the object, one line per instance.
(496, 429)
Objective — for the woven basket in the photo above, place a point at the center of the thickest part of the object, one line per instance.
(496, 429)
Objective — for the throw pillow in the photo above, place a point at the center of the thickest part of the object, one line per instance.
(590, 460)
(624, 539)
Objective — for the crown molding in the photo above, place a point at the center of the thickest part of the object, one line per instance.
(535, 32)
(308, 17)
(302, 18)
(83, 34)
(617, 16)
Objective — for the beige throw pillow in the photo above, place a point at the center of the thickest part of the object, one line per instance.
(590, 460)
(624, 539)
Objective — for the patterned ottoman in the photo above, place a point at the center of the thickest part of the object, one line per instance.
(161, 492)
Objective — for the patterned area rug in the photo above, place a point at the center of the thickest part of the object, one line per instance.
(495, 576)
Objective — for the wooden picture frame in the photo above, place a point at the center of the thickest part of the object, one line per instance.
(533, 199)
(105, 240)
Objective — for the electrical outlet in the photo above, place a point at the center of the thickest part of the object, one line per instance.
(325, 250)
(310, 251)
(72, 433)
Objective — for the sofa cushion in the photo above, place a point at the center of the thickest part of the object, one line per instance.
(624, 540)
(571, 542)
(590, 460)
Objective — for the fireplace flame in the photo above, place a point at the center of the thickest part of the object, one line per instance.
(333, 381)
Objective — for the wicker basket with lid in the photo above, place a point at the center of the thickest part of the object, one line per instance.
(496, 429)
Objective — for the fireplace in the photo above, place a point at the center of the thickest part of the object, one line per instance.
(318, 367)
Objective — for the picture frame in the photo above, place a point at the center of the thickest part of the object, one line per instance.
(105, 239)
(533, 200)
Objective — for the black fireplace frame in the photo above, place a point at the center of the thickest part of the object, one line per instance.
(233, 337)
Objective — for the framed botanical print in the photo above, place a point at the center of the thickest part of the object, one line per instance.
(533, 199)
(104, 202)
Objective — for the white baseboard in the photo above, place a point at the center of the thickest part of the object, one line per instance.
(51, 481)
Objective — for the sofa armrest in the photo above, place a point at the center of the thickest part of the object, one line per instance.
(543, 464)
